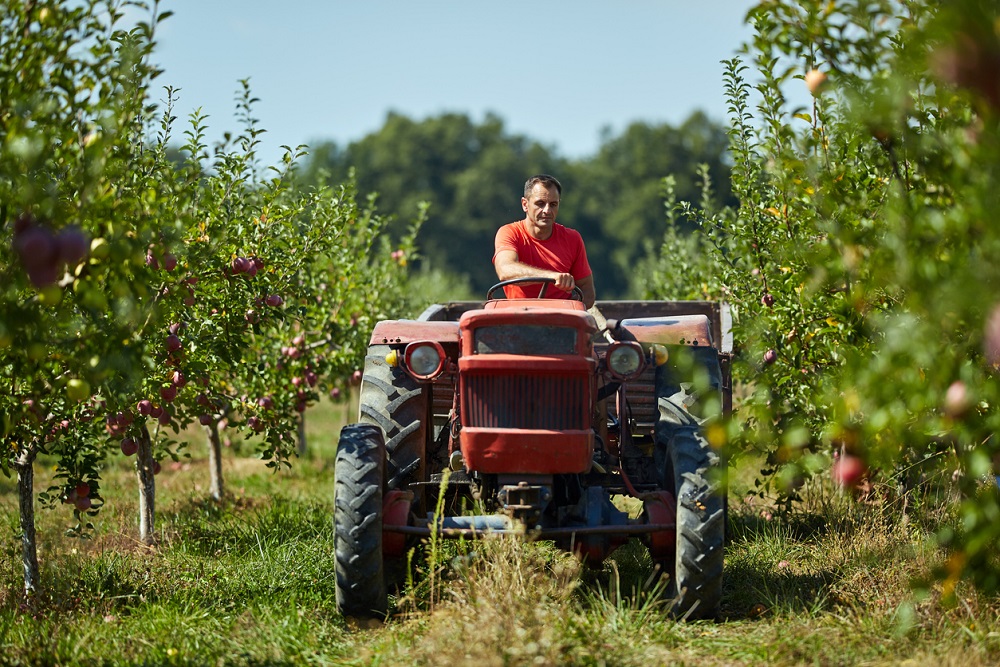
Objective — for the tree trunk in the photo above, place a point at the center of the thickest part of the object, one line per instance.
(147, 488)
(215, 487)
(302, 444)
(26, 505)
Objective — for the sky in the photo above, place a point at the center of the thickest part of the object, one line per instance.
(558, 71)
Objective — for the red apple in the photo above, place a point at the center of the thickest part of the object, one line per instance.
(23, 223)
(43, 276)
(73, 245)
(300, 406)
(335, 393)
(169, 262)
(848, 470)
(311, 378)
(129, 446)
(173, 343)
(296, 381)
(205, 419)
(767, 299)
(274, 300)
(356, 377)
(82, 490)
(266, 402)
(957, 400)
(178, 380)
(815, 81)
(770, 357)
(157, 467)
(168, 393)
(83, 504)
(36, 247)
(252, 317)
(144, 407)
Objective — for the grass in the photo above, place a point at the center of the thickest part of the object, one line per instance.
(249, 581)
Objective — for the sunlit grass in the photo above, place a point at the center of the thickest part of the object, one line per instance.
(249, 581)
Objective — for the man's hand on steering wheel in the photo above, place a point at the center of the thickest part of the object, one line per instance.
(564, 281)
(575, 292)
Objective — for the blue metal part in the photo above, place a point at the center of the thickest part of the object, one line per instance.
(481, 523)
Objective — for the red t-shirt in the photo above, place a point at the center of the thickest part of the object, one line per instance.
(563, 251)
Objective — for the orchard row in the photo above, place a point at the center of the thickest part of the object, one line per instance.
(142, 292)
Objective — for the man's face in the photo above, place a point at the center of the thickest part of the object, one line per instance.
(541, 207)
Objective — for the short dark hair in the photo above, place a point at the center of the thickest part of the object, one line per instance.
(544, 179)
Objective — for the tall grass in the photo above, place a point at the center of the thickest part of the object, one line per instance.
(249, 581)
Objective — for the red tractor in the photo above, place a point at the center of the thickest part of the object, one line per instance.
(540, 417)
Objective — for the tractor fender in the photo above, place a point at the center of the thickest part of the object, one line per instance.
(691, 330)
(389, 332)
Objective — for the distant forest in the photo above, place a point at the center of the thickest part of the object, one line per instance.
(473, 175)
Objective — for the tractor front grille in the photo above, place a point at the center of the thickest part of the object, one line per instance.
(527, 401)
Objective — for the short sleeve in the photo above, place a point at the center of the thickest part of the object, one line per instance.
(505, 240)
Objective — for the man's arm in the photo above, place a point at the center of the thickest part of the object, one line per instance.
(586, 286)
(508, 268)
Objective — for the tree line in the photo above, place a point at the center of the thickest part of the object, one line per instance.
(472, 174)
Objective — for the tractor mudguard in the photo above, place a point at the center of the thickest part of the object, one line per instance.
(691, 330)
(388, 332)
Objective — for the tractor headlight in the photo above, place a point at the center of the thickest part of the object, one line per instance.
(625, 360)
(424, 360)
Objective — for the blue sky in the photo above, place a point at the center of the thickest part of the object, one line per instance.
(556, 71)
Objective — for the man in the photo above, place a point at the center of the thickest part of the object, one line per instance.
(538, 247)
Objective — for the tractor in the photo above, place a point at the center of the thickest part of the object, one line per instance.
(529, 416)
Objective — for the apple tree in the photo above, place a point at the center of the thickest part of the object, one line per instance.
(861, 262)
(77, 212)
(138, 294)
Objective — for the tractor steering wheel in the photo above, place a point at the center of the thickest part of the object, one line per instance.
(576, 292)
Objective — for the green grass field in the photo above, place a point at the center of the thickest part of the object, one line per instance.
(249, 581)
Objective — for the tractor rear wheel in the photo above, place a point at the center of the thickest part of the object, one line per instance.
(398, 404)
(359, 474)
(696, 571)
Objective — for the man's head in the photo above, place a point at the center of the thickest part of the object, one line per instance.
(544, 179)
(541, 204)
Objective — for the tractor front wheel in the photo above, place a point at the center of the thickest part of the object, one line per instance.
(359, 474)
(398, 404)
